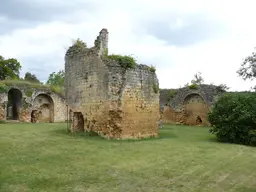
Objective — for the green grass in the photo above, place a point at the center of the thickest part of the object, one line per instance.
(43, 157)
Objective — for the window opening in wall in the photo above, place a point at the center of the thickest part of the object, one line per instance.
(198, 120)
(14, 104)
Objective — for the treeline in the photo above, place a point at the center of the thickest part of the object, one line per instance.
(10, 70)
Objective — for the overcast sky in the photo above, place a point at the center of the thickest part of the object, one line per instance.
(180, 37)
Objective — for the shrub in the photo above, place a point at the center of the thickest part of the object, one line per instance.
(152, 69)
(3, 88)
(125, 61)
(192, 86)
(233, 118)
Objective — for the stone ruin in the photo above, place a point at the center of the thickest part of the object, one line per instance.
(23, 103)
(108, 99)
(188, 106)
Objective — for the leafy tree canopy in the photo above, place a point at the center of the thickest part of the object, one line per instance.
(9, 68)
(56, 78)
(31, 77)
(248, 67)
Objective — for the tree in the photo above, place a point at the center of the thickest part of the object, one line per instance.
(31, 77)
(56, 78)
(248, 67)
(198, 79)
(9, 68)
(233, 118)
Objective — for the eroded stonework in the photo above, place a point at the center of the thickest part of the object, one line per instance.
(27, 104)
(112, 101)
(186, 105)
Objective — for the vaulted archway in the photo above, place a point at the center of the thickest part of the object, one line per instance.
(14, 104)
(195, 109)
(43, 109)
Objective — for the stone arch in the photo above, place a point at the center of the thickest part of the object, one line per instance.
(195, 109)
(43, 109)
(78, 121)
(14, 104)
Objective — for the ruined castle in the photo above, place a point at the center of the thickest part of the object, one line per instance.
(102, 96)
(109, 99)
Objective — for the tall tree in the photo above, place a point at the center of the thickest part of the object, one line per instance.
(56, 78)
(31, 77)
(198, 79)
(9, 68)
(247, 69)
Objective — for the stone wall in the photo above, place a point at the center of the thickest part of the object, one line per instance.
(187, 105)
(114, 102)
(33, 99)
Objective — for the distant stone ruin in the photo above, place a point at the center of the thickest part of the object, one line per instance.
(107, 98)
(25, 103)
(188, 106)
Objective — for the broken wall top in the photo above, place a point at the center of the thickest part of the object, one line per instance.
(175, 97)
(28, 88)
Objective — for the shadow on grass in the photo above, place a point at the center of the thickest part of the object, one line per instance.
(164, 133)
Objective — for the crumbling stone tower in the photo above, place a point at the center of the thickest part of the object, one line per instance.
(106, 98)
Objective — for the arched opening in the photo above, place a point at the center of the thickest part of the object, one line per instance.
(195, 109)
(198, 120)
(78, 121)
(14, 104)
(43, 109)
(34, 116)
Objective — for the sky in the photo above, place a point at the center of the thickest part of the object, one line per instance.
(180, 38)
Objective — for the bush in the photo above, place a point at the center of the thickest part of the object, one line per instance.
(192, 86)
(233, 118)
(152, 69)
(127, 62)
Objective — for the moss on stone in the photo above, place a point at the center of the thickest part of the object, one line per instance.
(155, 88)
(3, 88)
(29, 92)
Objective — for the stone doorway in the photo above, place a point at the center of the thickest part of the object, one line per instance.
(78, 121)
(14, 104)
(43, 109)
(195, 109)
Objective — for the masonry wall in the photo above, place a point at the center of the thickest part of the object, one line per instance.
(86, 86)
(138, 113)
(114, 102)
(186, 105)
(29, 103)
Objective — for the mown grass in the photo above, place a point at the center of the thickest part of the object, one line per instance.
(4, 84)
(43, 157)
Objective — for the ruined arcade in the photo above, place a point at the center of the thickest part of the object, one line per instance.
(23, 102)
(188, 105)
(104, 97)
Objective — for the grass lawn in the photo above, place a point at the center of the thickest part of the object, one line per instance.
(43, 157)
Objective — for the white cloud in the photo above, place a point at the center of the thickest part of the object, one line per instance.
(218, 59)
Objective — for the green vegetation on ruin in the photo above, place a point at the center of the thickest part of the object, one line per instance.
(152, 69)
(79, 43)
(193, 86)
(172, 93)
(43, 157)
(155, 88)
(125, 61)
(4, 84)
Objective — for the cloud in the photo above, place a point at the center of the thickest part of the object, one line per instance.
(179, 40)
